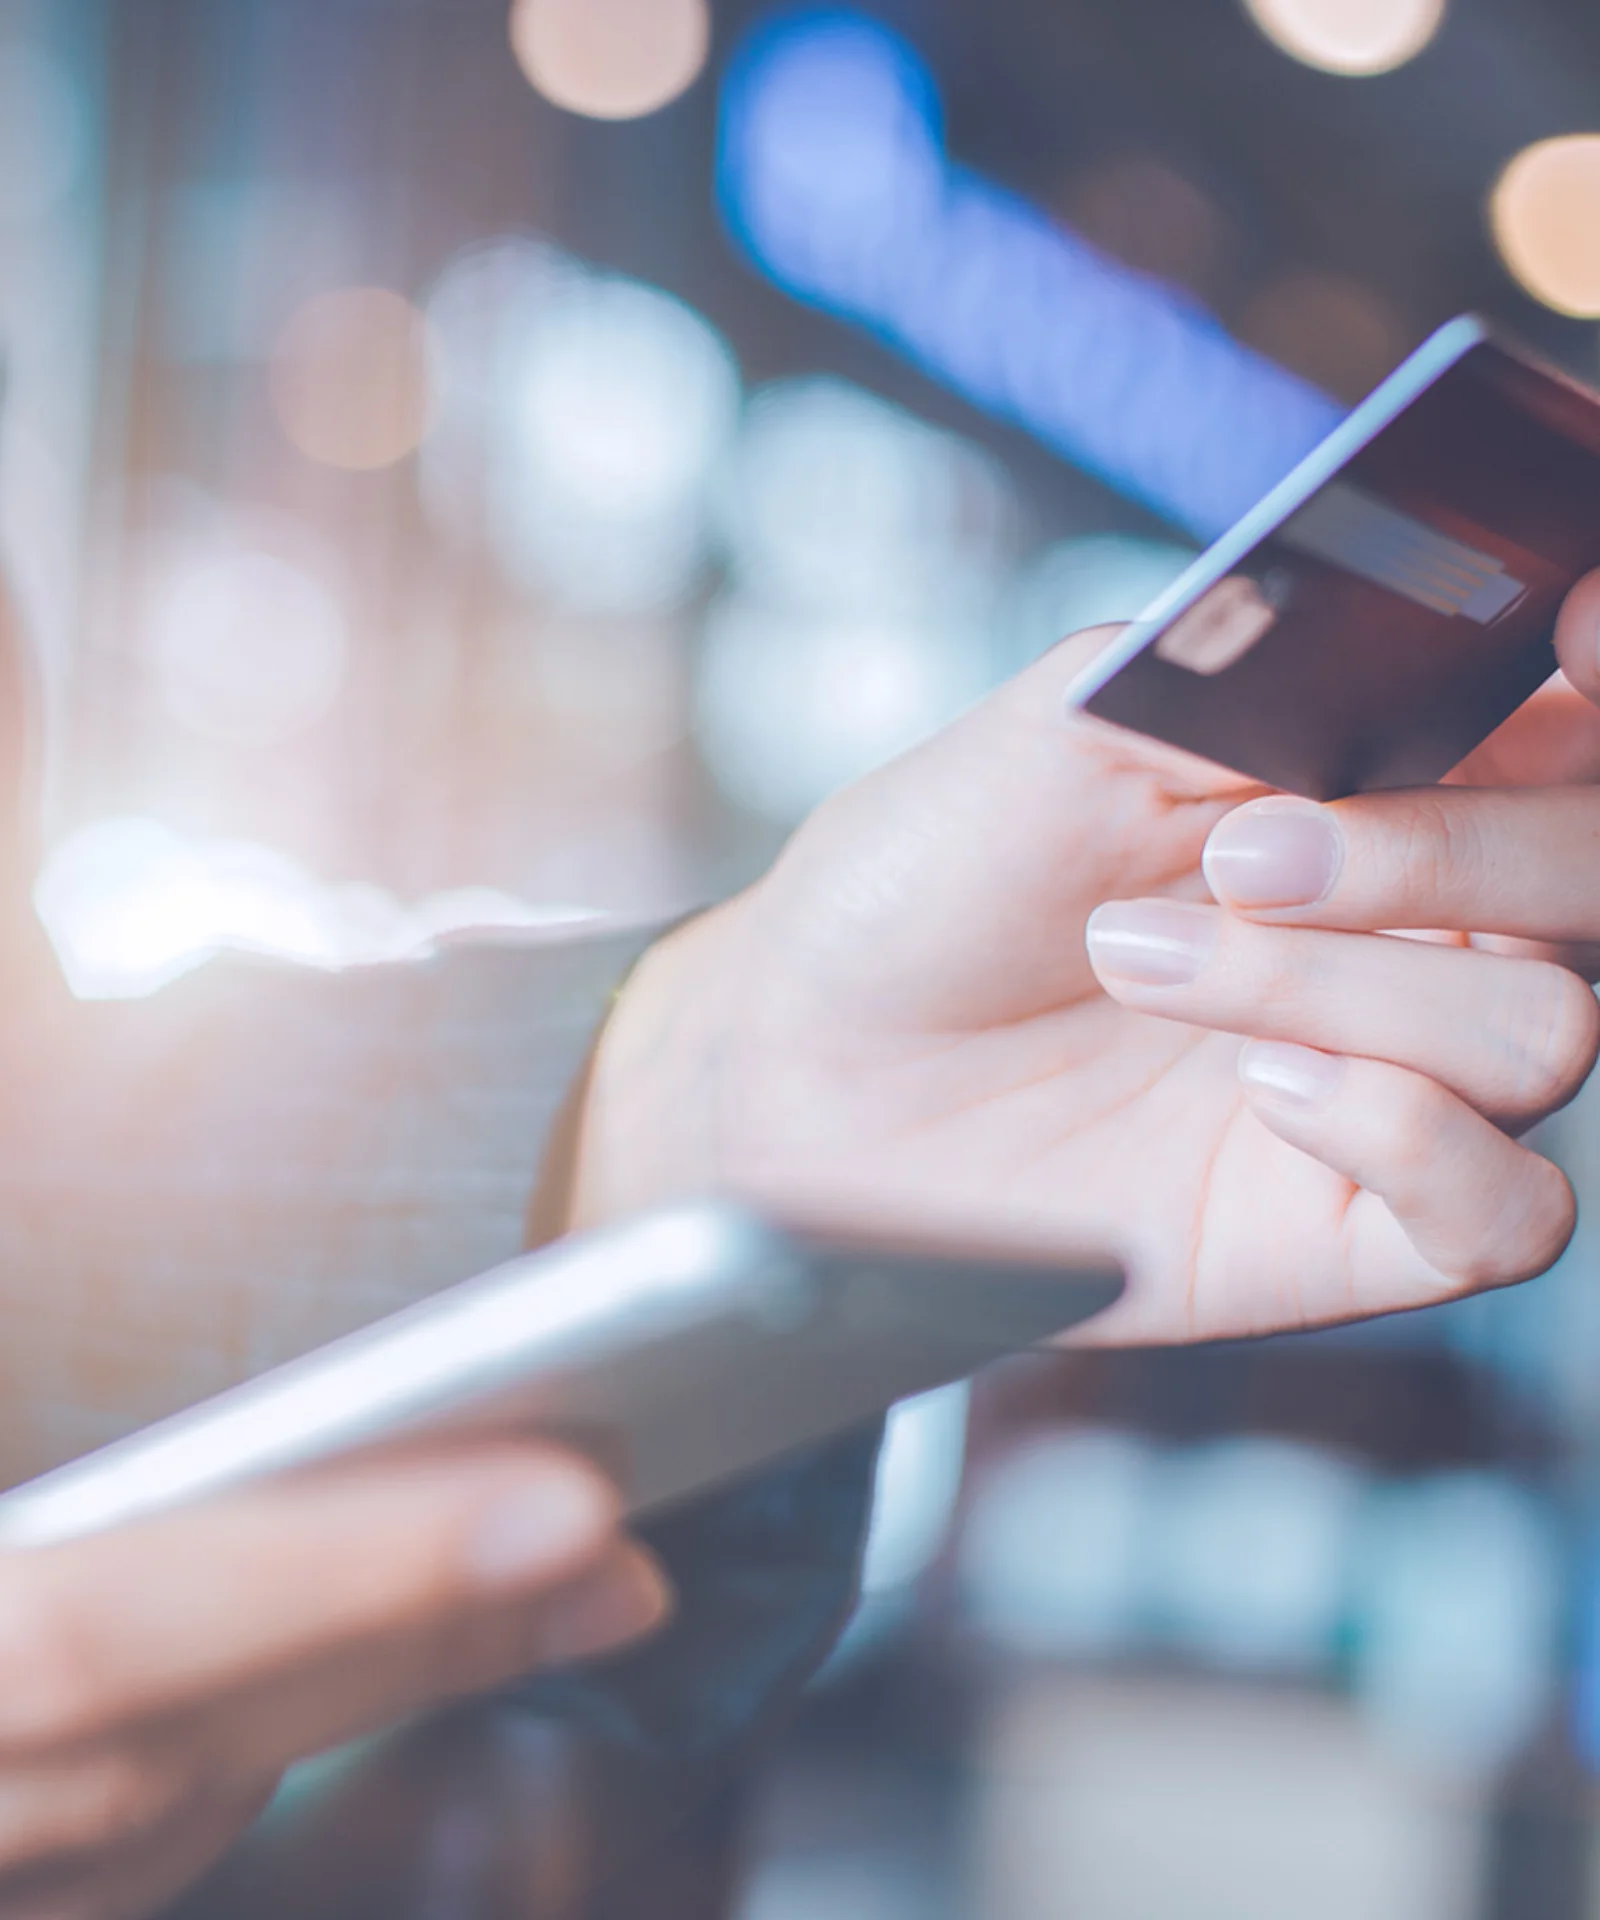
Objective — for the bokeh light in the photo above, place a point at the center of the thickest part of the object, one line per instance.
(1054, 1557)
(1084, 582)
(43, 133)
(249, 648)
(1349, 36)
(831, 154)
(792, 705)
(351, 378)
(479, 313)
(1458, 1604)
(611, 59)
(582, 416)
(832, 173)
(1545, 216)
(625, 402)
(1251, 1550)
(836, 498)
(625, 396)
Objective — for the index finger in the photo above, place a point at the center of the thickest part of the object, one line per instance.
(1521, 862)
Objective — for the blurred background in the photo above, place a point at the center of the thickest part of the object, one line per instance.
(468, 470)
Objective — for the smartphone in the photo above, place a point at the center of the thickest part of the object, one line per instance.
(1390, 602)
(677, 1351)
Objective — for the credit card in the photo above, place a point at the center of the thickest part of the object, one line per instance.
(1390, 602)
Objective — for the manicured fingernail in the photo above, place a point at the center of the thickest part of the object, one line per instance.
(537, 1529)
(1275, 853)
(595, 1615)
(1153, 943)
(1298, 1076)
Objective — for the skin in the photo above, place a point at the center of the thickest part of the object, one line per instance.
(921, 1015)
(156, 1682)
(904, 1020)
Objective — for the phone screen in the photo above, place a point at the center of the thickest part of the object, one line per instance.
(1398, 612)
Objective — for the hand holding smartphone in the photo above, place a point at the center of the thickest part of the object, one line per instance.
(676, 1351)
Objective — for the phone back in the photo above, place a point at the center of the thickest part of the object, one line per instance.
(1392, 602)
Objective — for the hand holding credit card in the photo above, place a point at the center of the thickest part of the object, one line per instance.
(1390, 617)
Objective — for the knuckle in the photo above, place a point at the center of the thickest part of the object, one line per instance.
(1406, 1125)
(1552, 1037)
(1271, 974)
(1439, 853)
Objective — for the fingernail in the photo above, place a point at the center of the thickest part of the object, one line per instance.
(1275, 853)
(1155, 943)
(536, 1529)
(1299, 1076)
(595, 1615)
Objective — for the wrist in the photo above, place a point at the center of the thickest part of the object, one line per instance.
(648, 1132)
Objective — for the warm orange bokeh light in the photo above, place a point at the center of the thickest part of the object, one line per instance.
(1545, 214)
(611, 59)
(350, 378)
(1349, 36)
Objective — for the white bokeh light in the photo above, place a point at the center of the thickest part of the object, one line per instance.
(1055, 1555)
(836, 498)
(1250, 1552)
(581, 417)
(249, 648)
(1354, 37)
(1457, 1612)
(624, 402)
(790, 706)
(480, 313)
(1084, 582)
(43, 133)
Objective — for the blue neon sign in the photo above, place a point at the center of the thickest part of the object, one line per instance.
(834, 178)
